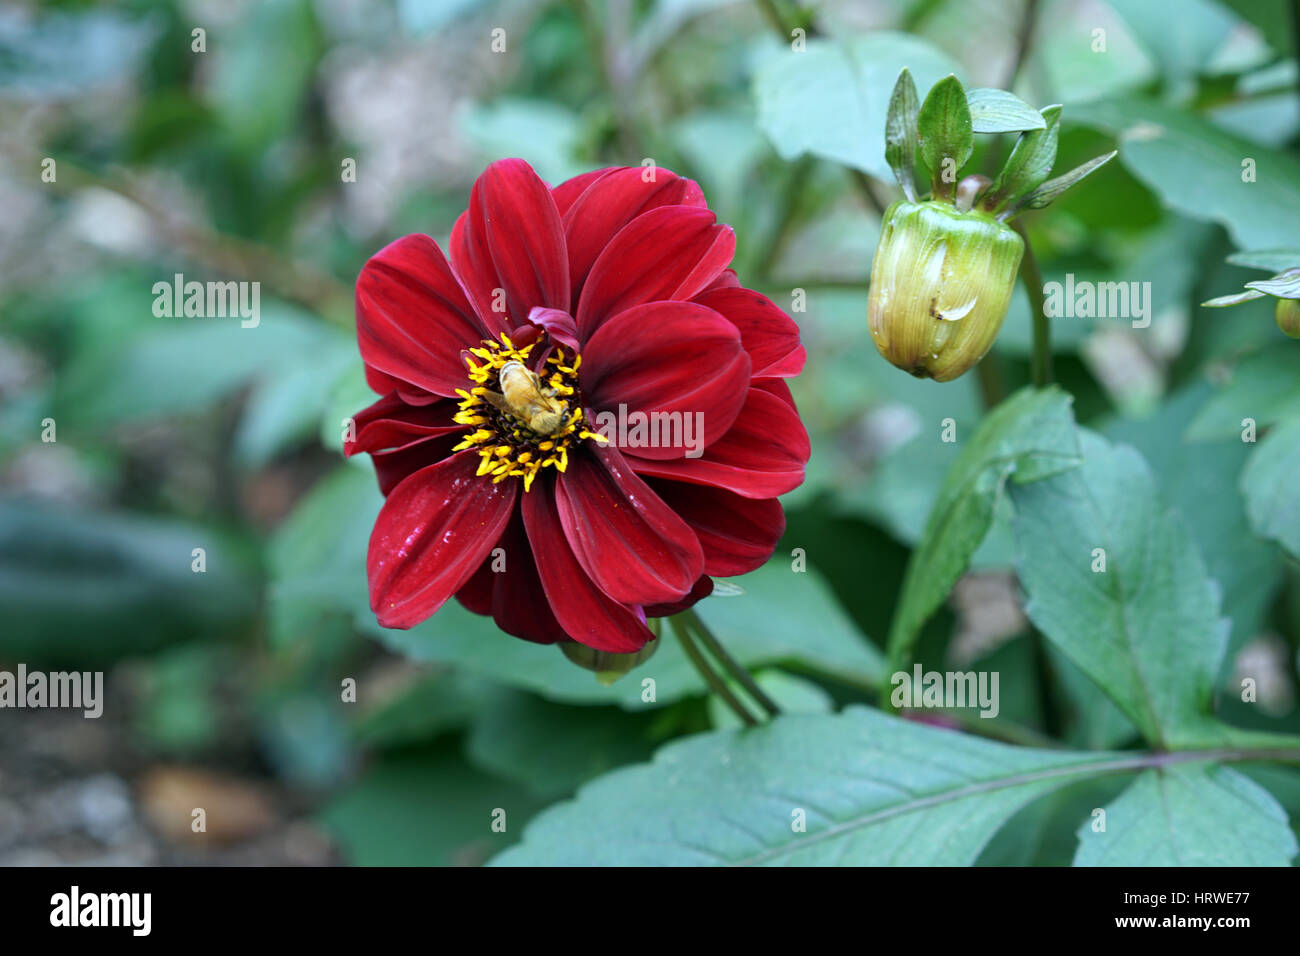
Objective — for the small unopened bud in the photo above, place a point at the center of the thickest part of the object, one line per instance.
(607, 666)
(1288, 316)
(940, 286)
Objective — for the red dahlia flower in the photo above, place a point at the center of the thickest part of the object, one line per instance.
(606, 299)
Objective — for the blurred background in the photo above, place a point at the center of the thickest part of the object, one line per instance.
(285, 141)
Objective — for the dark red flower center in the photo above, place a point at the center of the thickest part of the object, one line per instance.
(525, 418)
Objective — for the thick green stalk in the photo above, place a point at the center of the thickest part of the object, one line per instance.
(1033, 281)
(716, 683)
(699, 629)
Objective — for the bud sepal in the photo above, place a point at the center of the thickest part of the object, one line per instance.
(1285, 287)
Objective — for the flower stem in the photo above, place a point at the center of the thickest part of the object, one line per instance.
(1023, 38)
(786, 217)
(993, 387)
(772, 14)
(602, 46)
(1033, 281)
(716, 683)
(732, 666)
(863, 182)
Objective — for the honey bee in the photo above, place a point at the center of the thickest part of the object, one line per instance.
(524, 396)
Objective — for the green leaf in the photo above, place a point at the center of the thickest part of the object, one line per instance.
(1042, 832)
(901, 133)
(1183, 41)
(831, 100)
(1093, 722)
(722, 149)
(286, 408)
(1029, 437)
(303, 733)
(1051, 190)
(945, 129)
(1283, 785)
(259, 84)
(177, 708)
(1198, 169)
(1190, 815)
(544, 133)
(427, 808)
(874, 790)
(1265, 387)
(1031, 160)
(1270, 18)
(997, 111)
(317, 557)
(172, 366)
(1169, 256)
(783, 616)
(1064, 54)
(788, 615)
(551, 749)
(1269, 484)
(82, 588)
(1192, 473)
(1263, 108)
(1272, 260)
(905, 485)
(1121, 626)
(421, 709)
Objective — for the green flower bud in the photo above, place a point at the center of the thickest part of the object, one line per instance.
(1288, 317)
(941, 283)
(607, 666)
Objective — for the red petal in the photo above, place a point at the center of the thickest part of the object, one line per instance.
(513, 209)
(413, 318)
(582, 610)
(476, 595)
(778, 388)
(674, 358)
(430, 537)
(519, 603)
(568, 191)
(391, 423)
(506, 587)
(671, 252)
(627, 540)
(703, 588)
(383, 384)
(394, 465)
(737, 534)
(727, 279)
(559, 324)
(762, 456)
(473, 263)
(770, 336)
(610, 203)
